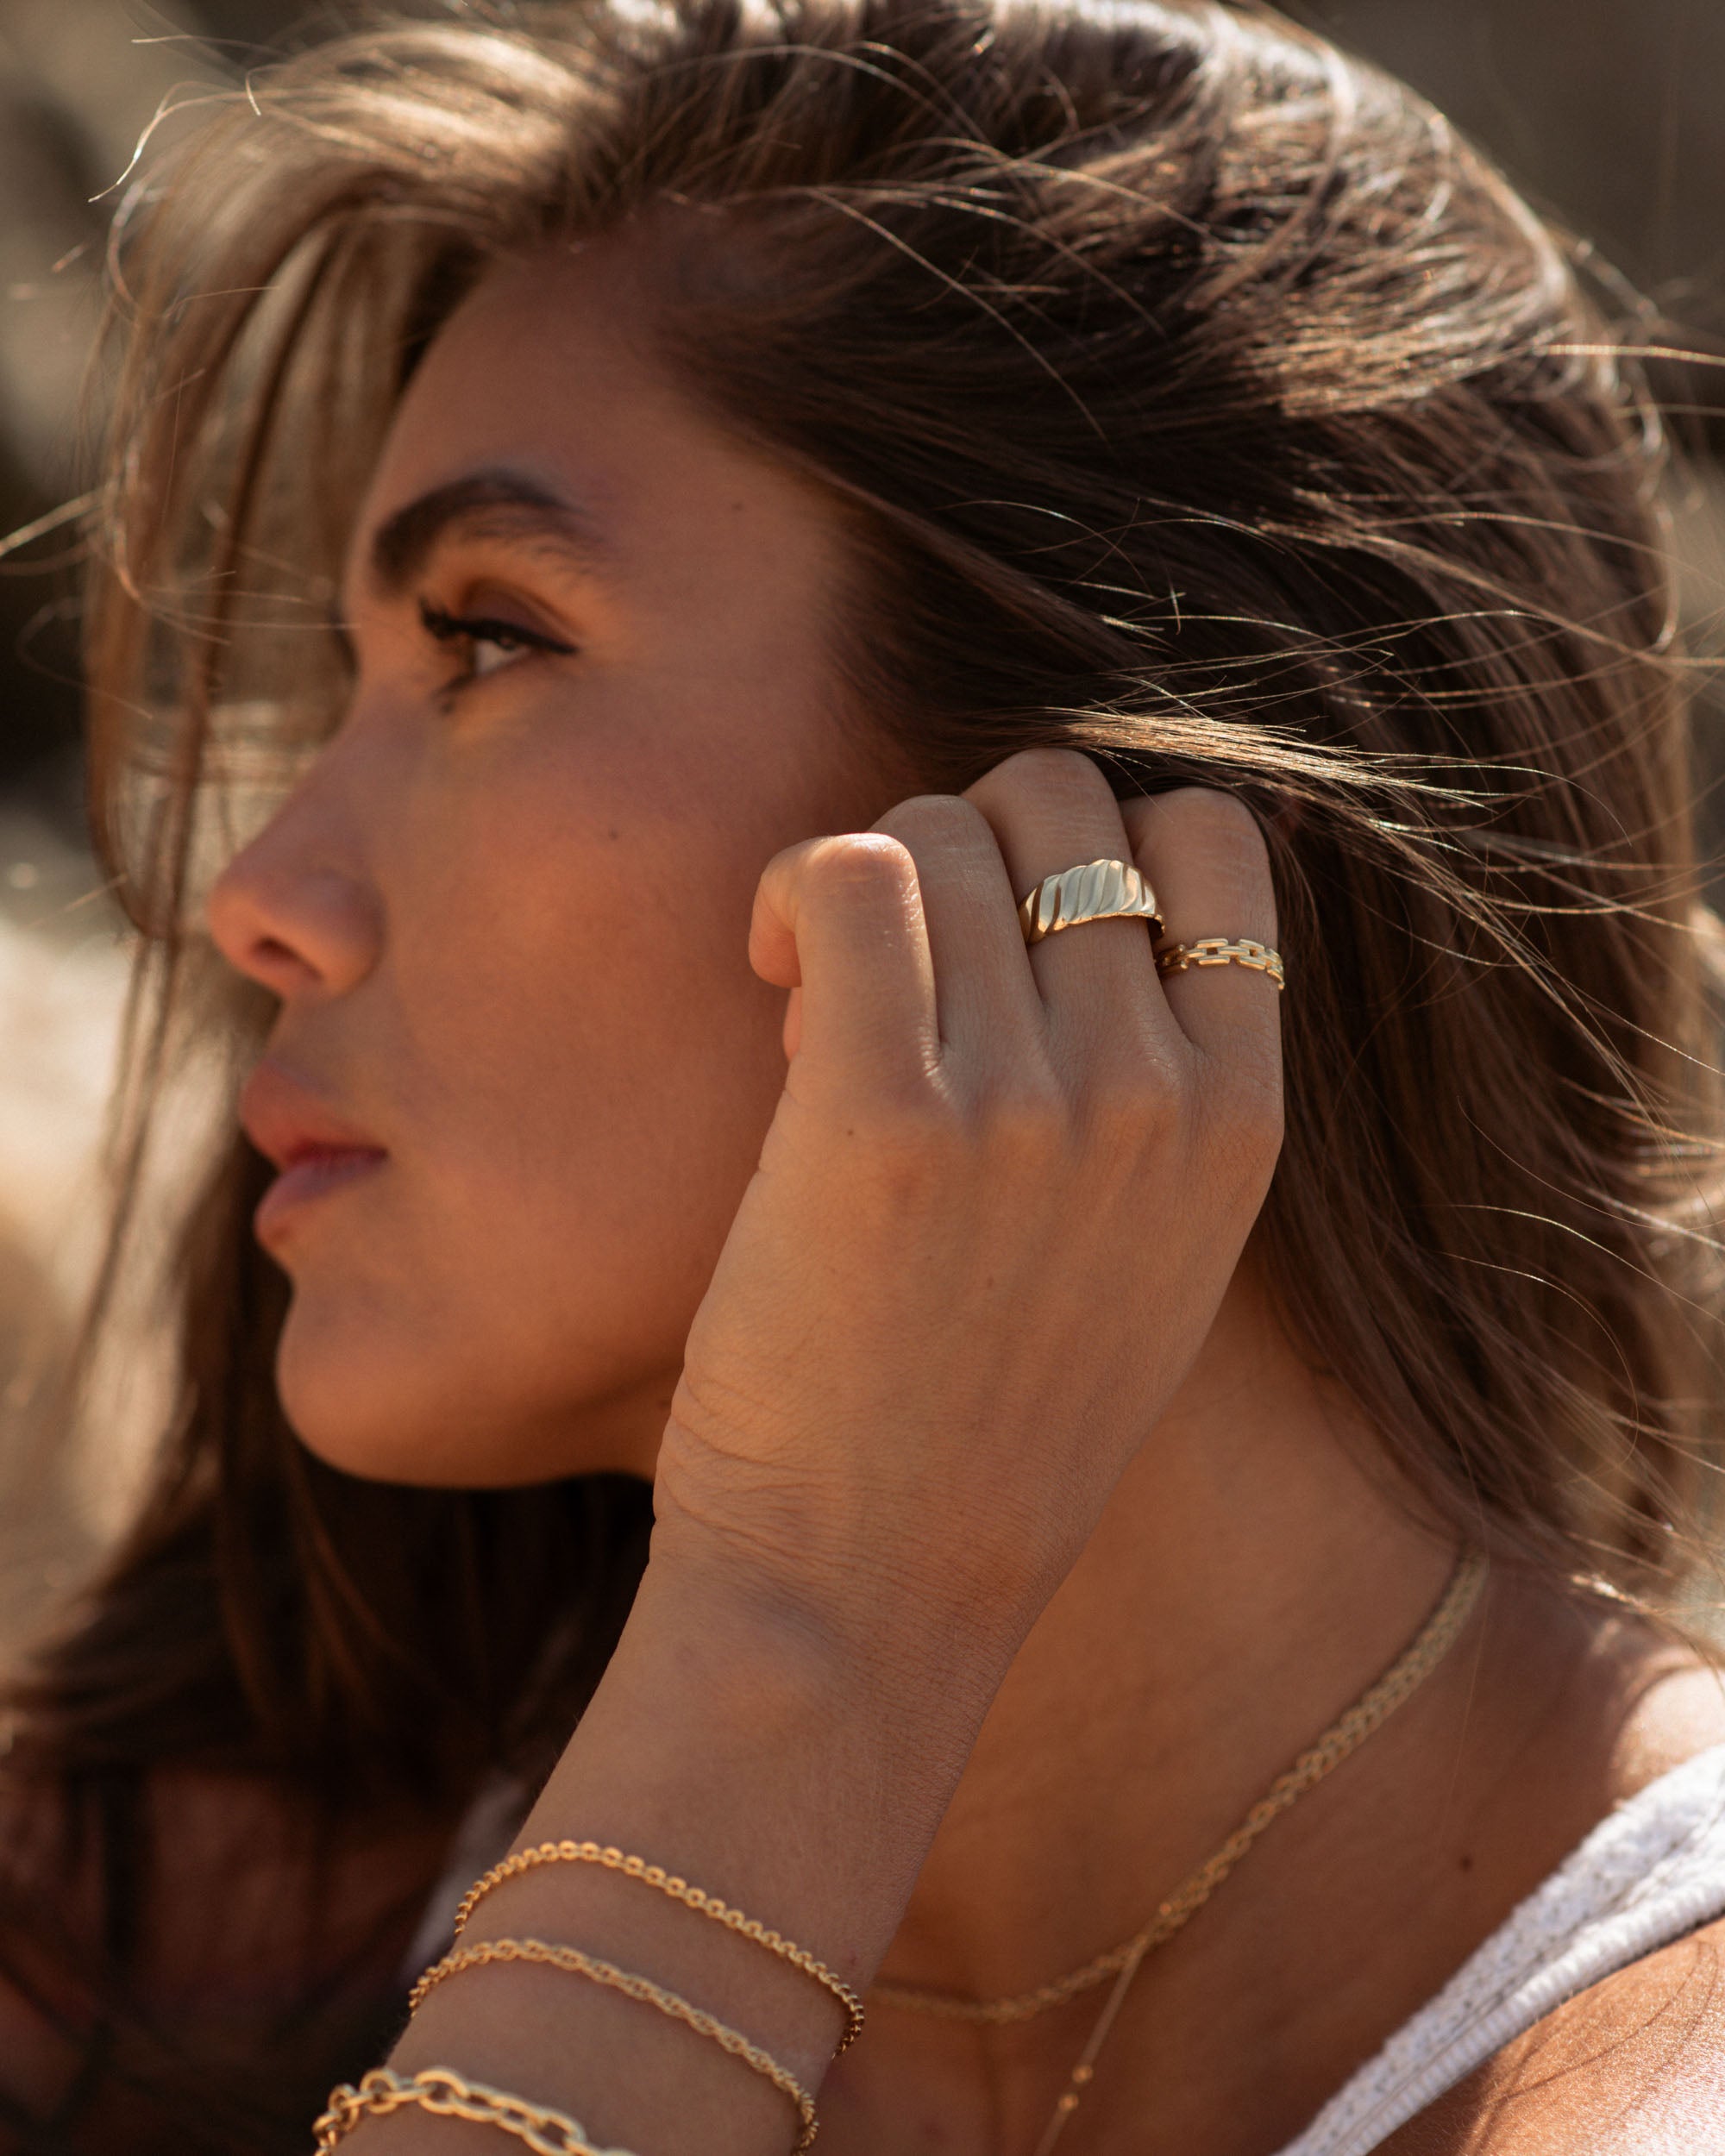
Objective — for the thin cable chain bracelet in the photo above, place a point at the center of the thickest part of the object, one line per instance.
(679, 1890)
(670, 2003)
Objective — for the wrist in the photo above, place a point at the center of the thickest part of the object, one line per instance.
(872, 1580)
(850, 1641)
(774, 1660)
(742, 1747)
(737, 1742)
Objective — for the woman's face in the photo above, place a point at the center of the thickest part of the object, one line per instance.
(522, 1068)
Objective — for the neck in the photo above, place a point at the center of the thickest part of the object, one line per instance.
(1254, 1573)
(1257, 1570)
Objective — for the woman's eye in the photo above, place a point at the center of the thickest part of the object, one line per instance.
(494, 649)
(486, 643)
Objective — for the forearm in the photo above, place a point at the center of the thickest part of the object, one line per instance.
(763, 1762)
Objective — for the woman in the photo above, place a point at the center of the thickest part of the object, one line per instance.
(717, 514)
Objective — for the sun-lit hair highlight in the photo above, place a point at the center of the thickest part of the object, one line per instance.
(1197, 399)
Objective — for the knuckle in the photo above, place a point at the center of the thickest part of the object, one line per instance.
(1203, 825)
(907, 1115)
(857, 862)
(1220, 823)
(1127, 1109)
(908, 1128)
(936, 819)
(1062, 774)
(1026, 1117)
(910, 1144)
(1247, 1114)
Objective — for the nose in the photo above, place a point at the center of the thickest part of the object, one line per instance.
(293, 911)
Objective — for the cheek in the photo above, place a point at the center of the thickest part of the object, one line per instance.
(598, 1110)
(580, 973)
(604, 1073)
(576, 1139)
(582, 1067)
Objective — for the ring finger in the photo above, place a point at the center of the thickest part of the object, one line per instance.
(1205, 855)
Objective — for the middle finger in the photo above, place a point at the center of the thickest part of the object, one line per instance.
(1051, 809)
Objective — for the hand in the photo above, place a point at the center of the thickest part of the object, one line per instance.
(1000, 1200)
(998, 1205)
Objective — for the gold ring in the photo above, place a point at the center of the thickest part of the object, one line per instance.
(1094, 891)
(1217, 950)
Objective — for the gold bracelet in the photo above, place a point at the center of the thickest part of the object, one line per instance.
(441, 2090)
(577, 1964)
(655, 1875)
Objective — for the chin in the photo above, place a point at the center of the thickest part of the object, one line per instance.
(367, 1398)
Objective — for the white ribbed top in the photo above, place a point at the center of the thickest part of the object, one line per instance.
(1650, 1872)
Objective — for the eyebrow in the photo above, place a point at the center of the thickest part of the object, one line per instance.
(500, 506)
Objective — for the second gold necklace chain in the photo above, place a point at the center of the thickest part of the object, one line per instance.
(1344, 1736)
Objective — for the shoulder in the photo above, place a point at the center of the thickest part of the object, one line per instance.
(1633, 2066)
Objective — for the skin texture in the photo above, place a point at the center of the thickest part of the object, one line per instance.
(508, 916)
(959, 1645)
(1634, 2066)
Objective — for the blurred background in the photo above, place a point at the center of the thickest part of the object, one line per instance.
(1610, 114)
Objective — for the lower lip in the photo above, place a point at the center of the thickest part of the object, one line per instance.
(313, 1176)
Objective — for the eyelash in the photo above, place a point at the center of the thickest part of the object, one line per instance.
(445, 627)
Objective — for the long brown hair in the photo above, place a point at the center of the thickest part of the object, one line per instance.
(1200, 400)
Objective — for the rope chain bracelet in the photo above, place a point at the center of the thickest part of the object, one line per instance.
(670, 2003)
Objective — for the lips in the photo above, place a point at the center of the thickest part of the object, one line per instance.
(318, 1152)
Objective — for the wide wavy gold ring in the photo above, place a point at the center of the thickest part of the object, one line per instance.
(1219, 950)
(1094, 891)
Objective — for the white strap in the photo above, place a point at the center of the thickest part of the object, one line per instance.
(1650, 1872)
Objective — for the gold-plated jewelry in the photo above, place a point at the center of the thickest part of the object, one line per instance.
(1219, 950)
(655, 1875)
(1094, 891)
(1344, 1736)
(448, 2095)
(675, 2007)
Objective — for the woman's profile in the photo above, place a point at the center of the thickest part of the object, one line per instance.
(948, 1370)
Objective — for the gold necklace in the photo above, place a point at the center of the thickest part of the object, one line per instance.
(1346, 1735)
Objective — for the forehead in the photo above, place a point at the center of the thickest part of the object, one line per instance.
(550, 371)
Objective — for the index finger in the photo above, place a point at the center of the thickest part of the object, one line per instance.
(842, 919)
